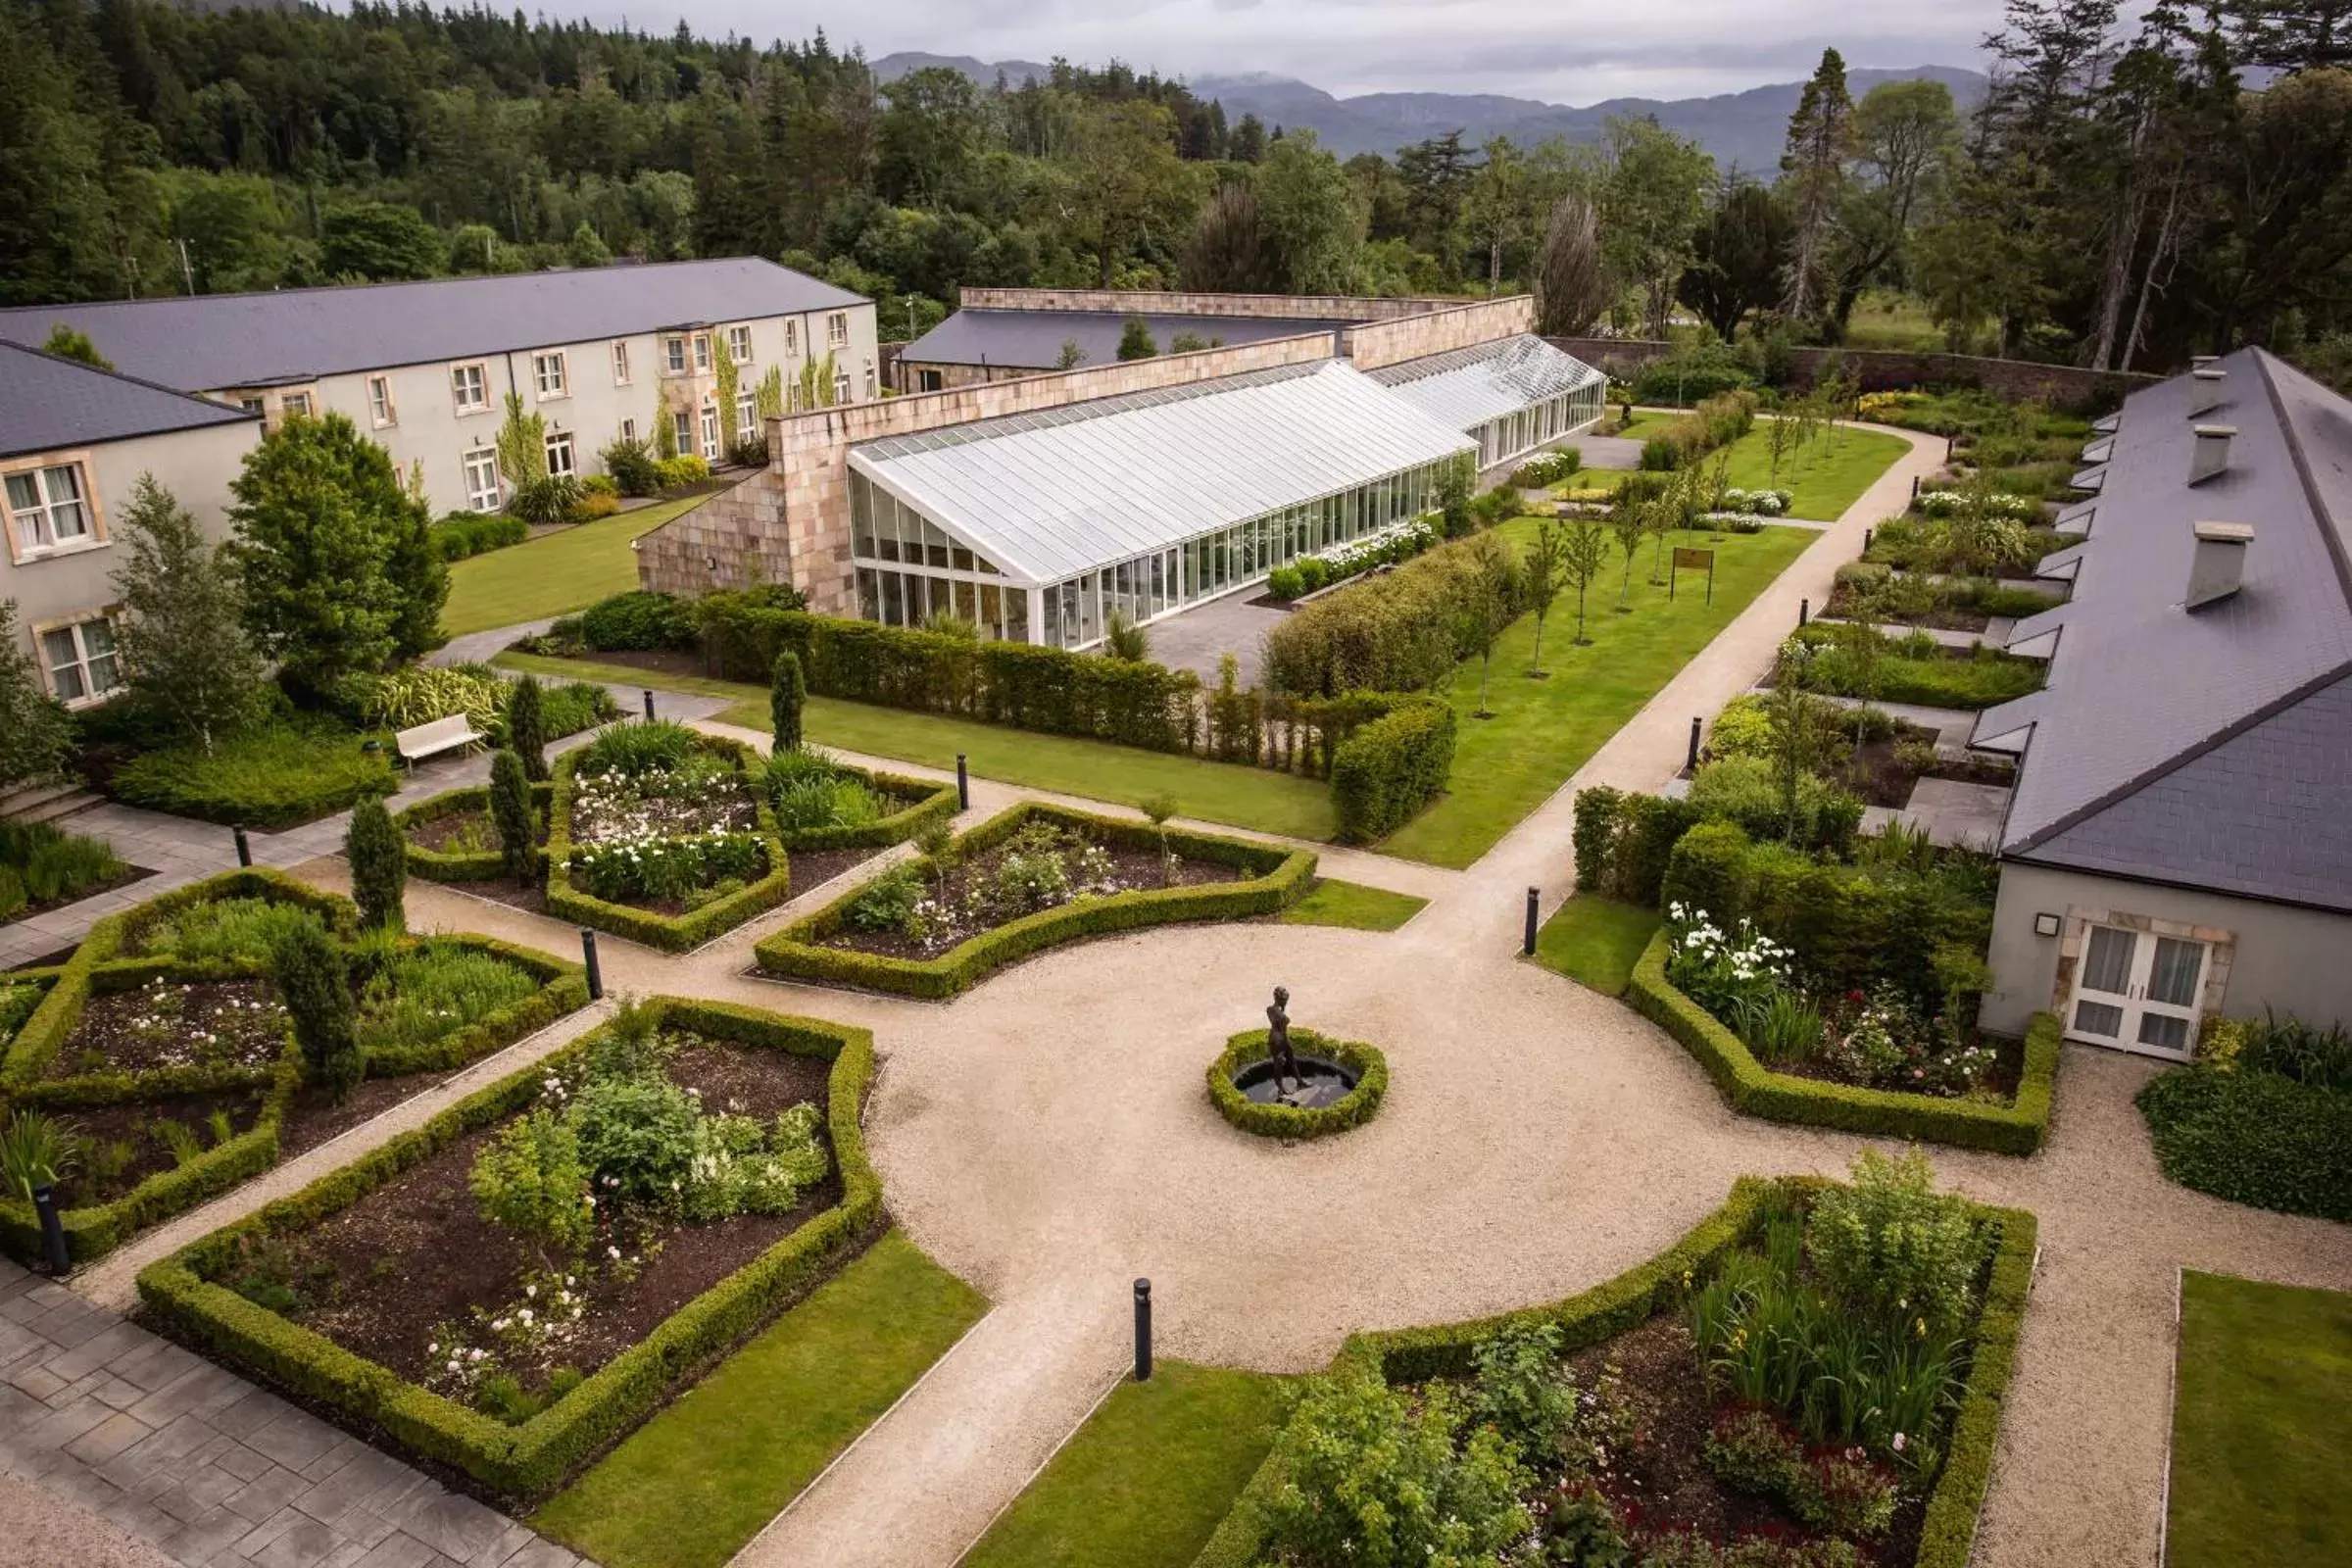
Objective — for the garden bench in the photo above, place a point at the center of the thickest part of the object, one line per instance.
(430, 740)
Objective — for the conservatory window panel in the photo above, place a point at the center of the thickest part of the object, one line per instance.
(861, 517)
(1016, 614)
(959, 557)
(894, 610)
(870, 594)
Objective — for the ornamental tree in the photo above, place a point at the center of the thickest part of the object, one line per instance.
(787, 696)
(526, 727)
(314, 985)
(511, 818)
(379, 867)
(181, 637)
(35, 736)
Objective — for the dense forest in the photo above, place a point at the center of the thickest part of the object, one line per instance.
(2126, 195)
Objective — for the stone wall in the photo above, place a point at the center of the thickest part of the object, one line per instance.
(1181, 301)
(953, 375)
(1891, 370)
(794, 516)
(1413, 337)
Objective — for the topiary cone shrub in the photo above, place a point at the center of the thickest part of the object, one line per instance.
(526, 728)
(511, 815)
(379, 867)
(787, 696)
(316, 988)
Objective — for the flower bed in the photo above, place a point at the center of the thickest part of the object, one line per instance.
(1755, 1089)
(1876, 592)
(925, 930)
(657, 834)
(591, 1288)
(450, 837)
(1684, 1414)
(1351, 1109)
(824, 804)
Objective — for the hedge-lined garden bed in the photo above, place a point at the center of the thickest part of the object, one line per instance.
(582, 1292)
(1351, 1109)
(1656, 1420)
(161, 1050)
(884, 936)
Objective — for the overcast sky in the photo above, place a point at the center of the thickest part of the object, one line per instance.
(1563, 51)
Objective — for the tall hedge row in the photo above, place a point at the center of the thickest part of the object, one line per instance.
(1391, 768)
(1402, 631)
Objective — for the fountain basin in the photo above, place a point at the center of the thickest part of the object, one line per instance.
(1339, 1084)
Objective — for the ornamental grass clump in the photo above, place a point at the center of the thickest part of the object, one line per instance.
(434, 991)
(240, 929)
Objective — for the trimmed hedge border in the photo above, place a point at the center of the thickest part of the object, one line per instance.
(1281, 878)
(1665, 1282)
(670, 933)
(456, 866)
(532, 1459)
(1351, 1109)
(1755, 1090)
(927, 801)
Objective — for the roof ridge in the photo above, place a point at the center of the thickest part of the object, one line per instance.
(2332, 534)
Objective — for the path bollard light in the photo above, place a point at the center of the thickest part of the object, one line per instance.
(1804, 613)
(244, 847)
(595, 976)
(1915, 487)
(1868, 534)
(1143, 1331)
(649, 705)
(1527, 945)
(963, 783)
(53, 1230)
(1692, 764)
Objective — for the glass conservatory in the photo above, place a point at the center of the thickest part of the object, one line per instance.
(1510, 396)
(1040, 526)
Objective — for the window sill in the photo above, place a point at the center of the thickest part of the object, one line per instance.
(555, 397)
(42, 553)
(467, 412)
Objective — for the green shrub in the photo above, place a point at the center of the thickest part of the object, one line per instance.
(36, 1151)
(1351, 1109)
(379, 867)
(1746, 790)
(530, 1180)
(526, 726)
(429, 993)
(637, 620)
(682, 470)
(1286, 582)
(1925, 676)
(636, 1134)
(46, 864)
(1691, 373)
(575, 705)
(2255, 1138)
(511, 816)
(460, 534)
(638, 749)
(1708, 871)
(632, 465)
(1389, 770)
(1718, 420)
(421, 694)
(274, 776)
(1889, 1243)
(315, 984)
(787, 698)
(1624, 841)
(1397, 632)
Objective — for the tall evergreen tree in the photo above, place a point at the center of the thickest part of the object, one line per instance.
(35, 735)
(1813, 179)
(181, 637)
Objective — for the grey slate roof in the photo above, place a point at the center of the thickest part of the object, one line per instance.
(1467, 386)
(212, 341)
(2214, 747)
(1032, 340)
(48, 403)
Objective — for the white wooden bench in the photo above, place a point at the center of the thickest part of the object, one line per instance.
(454, 733)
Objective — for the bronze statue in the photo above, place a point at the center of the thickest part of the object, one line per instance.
(1278, 1038)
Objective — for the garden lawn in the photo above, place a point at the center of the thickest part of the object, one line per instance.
(1544, 730)
(1595, 941)
(1823, 478)
(689, 1488)
(553, 575)
(2260, 1440)
(1146, 1480)
(1353, 905)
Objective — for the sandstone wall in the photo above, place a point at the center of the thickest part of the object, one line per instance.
(1183, 302)
(1459, 325)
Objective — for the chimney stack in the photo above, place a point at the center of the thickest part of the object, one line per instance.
(2211, 455)
(2207, 386)
(2217, 569)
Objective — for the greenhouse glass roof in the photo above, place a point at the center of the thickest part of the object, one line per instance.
(1052, 494)
(1467, 387)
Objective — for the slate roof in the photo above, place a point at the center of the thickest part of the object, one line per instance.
(1467, 386)
(1032, 340)
(47, 403)
(207, 342)
(2210, 748)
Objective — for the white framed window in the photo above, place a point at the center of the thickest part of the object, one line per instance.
(559, 465)
(481, 479)
(792, 336)
(710, 444)
(253, 405)
(470, 387)
(379, 401)
(681, 426)
(702, 351)
(791, 398)
(547, 371)
(837, 329)
(841, 385)
(79, 659)
(674, 351)
(49, 508)
(746, 416)
(739, 344)
(869, 380)
(620, 362)
(294, 403)
(628, 429)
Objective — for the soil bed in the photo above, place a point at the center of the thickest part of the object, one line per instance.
(312, 1117)
(469, 832)
(415, 1257)
(214, 1023)
(121, 1146)
(813, 868)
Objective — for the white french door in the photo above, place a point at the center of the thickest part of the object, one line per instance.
(2139, 990)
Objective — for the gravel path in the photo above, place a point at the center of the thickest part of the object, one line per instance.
(1047, 1139)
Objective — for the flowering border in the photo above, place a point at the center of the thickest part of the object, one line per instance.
(1755, 1089)
(532, 1459)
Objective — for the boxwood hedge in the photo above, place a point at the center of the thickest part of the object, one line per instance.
(1663, 1283)
(1351, 1109)
(456, 866)
(1276, 878)
(1755, 1089)
(532, 1459)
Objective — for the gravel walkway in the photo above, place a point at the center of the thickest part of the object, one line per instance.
(1046, 1139)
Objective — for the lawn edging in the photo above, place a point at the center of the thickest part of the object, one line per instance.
(1281, 877)
(670, 933)
(1755, 1089)
(1353, 1109)
(530, 1460)
(1610, 1309)
(456, 865)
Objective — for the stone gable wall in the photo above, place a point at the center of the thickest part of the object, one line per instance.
(1412, 337)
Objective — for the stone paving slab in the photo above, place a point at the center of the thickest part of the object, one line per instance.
(145, 1454)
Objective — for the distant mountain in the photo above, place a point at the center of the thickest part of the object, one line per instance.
(1743, 128)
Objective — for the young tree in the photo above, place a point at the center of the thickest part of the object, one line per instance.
(1227, 252)
(1136, 341)
(1628, 521)
(1157, 809)
(35, 735)
(314, 985)
(787, 696)
(1741, 259)
(1859, 646)
(379, 867)
(320, 517)
(1780, 433)
(511, 816)
(1071, 356)
(1308, 217)
(526, 726)
(1792, 713)
(1546, 559)
(180, 637)
(1584, 551)
(1480, 617)
(1454, 484)
(1667, 513)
